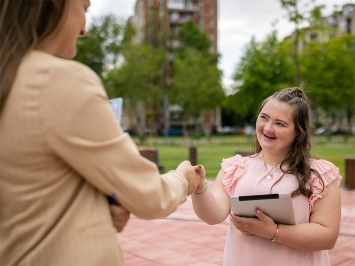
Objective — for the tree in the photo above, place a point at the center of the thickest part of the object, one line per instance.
(196, 80)
(101, 48)
(328, 67)
(191, 36)
(195, 84)
(137, 80)
(265, 68)
(312, 17)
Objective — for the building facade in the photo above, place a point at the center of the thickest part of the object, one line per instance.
(338, 23)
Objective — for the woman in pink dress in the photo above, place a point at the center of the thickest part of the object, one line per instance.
(282, 163)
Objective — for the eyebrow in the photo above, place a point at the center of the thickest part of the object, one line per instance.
(278, 120)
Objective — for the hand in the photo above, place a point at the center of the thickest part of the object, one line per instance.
(119, 216)
(203, 182)
(193, 175)
(262, 226)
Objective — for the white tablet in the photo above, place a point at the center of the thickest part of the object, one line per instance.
(116, 105)
(277, 206)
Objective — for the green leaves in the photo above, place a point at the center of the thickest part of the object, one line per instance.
(195, 84)
(265, 68)
(101, 48)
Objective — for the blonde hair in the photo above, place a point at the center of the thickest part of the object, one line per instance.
(23, 23)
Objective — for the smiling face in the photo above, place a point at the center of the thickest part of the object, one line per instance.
(275, 128)
(62, 42)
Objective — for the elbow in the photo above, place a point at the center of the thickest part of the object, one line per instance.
(326, 244)
(211, 221)
(332, 243)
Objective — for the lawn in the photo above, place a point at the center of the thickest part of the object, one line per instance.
(210, 152)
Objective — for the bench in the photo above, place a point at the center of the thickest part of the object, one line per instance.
(151, 154)
(350, 172)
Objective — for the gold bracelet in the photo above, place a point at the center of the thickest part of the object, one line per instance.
(203, 191)
(277, 233)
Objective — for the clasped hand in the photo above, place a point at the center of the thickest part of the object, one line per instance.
(195, 175)
(262, 226)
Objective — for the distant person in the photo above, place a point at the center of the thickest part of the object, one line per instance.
(61, 150)
(282, 163)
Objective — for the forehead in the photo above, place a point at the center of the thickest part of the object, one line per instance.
(278, 110)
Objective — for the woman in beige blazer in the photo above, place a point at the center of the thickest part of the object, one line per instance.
(61, 150)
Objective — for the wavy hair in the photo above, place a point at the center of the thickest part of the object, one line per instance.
(297, 160)
(23, 23)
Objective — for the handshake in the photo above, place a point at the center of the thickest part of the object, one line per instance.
(195, 176)
(196, 182)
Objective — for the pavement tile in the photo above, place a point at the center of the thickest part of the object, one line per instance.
(336, 260)
(182, 239)
(348, 262)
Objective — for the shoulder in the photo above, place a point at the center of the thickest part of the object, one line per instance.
(233, 167)
(56, 68)
(326, 169)
(328, 173)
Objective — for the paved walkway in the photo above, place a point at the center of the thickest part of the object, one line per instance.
(182, 239)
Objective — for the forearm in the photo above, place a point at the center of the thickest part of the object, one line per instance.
(161, 200)
(307, 237)
(207, 208)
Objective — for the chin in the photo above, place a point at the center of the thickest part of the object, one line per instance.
(69, 54)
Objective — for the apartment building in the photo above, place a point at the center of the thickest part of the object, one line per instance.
(337, 23)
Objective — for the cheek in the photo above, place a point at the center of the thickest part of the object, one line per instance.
(258, 127)
(288, 136)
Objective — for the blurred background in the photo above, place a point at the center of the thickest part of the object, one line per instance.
(200, 68)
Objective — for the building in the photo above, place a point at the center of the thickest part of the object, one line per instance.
(157, 23)
(339, 22)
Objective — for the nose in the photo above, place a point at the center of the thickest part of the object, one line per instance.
(82, 33)
(269, 127)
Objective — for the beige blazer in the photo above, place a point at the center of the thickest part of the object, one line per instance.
(61, 153)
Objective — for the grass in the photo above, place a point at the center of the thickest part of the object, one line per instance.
(210, 152)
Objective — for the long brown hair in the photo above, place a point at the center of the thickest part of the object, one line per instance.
(23, 23)
(297, 159)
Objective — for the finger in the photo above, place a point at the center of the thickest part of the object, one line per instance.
(117, 210)
(119, 226)
(201, 170)
(261, 216)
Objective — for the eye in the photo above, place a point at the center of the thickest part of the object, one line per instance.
(263, 117)
(280, 124)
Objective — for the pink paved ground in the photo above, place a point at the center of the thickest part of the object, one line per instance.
(182, 239)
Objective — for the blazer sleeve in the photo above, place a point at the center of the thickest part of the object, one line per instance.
(83, 131)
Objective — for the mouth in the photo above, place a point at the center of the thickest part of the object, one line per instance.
(268, 137)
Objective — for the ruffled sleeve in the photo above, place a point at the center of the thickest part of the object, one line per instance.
(329, 173)
(233, 167)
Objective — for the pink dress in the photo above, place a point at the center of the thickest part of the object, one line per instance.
(247, 176)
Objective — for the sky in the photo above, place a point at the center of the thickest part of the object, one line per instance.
(238, 22)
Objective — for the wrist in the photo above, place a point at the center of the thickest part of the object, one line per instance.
(201, 191)
(276, 234)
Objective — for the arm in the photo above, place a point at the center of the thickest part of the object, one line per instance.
(212, 206)
(320, 233)
(89, 141)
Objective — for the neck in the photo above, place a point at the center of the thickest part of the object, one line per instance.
(271, 159)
